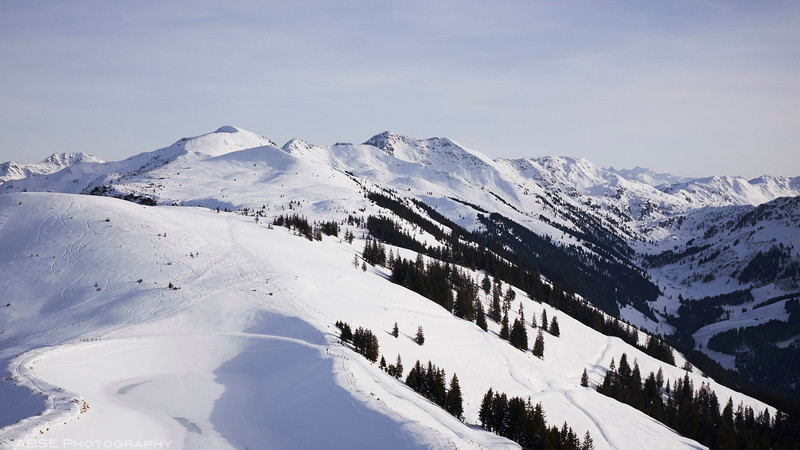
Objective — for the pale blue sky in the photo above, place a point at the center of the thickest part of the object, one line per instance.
(688, 87)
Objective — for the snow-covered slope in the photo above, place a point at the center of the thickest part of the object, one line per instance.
(91, 316)
(242, 352)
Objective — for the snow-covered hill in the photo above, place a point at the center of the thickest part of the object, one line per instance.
(173, 319)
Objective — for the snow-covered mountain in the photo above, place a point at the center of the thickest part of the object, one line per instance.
(648, 176)
(53, 163)
(115, 306)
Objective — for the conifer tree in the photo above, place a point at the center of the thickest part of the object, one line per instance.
(554, 330)
(420, 337)
(544, 319)
(465, 305)
(366, 343)
(507, 298)
(635, 386)
(398, 367)
(480, 316)
(624, 371)
(416, 377)
(518, 336)
(486, 284)
(485, 413)
(588, 442)
(454, 403)
(346, 334)
(585, 379)
(495, 311)
(382, 364)
(504, 331)
(395, 330)
(538, 345)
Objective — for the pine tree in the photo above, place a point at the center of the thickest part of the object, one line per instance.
(480, 316)
(465, 305)
(495, 311)
(485, 413)
(366, 343)
(585, 379)
(554, 330)
(588, 442)
(416, 377)
(382, 365)
(346, 334)
(544, 319)
(624, 371)
(395, 330)
(486, 284)
(504, 331)
(518, 336)
(420, 337)
(509, 296)
(533, 321)
(635, 386)
(454, 401)
(398, 367)
(538, 345)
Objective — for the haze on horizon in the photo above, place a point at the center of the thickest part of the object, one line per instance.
(692, 88)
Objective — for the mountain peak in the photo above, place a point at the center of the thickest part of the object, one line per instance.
(57, 161)
(297, 147)
(224, 140)
(649, 176)
(67, 159)
(428, 152)
(388, 141)
(228, 129)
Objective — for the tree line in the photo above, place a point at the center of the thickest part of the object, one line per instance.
(304, 228)
(525, 424)
(696, 413)
(430, 382)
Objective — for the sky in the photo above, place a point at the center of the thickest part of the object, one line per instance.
(693, 88)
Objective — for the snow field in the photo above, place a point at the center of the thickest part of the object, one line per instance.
(244, 350)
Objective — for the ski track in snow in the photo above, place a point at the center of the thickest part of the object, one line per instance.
(569, 396)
